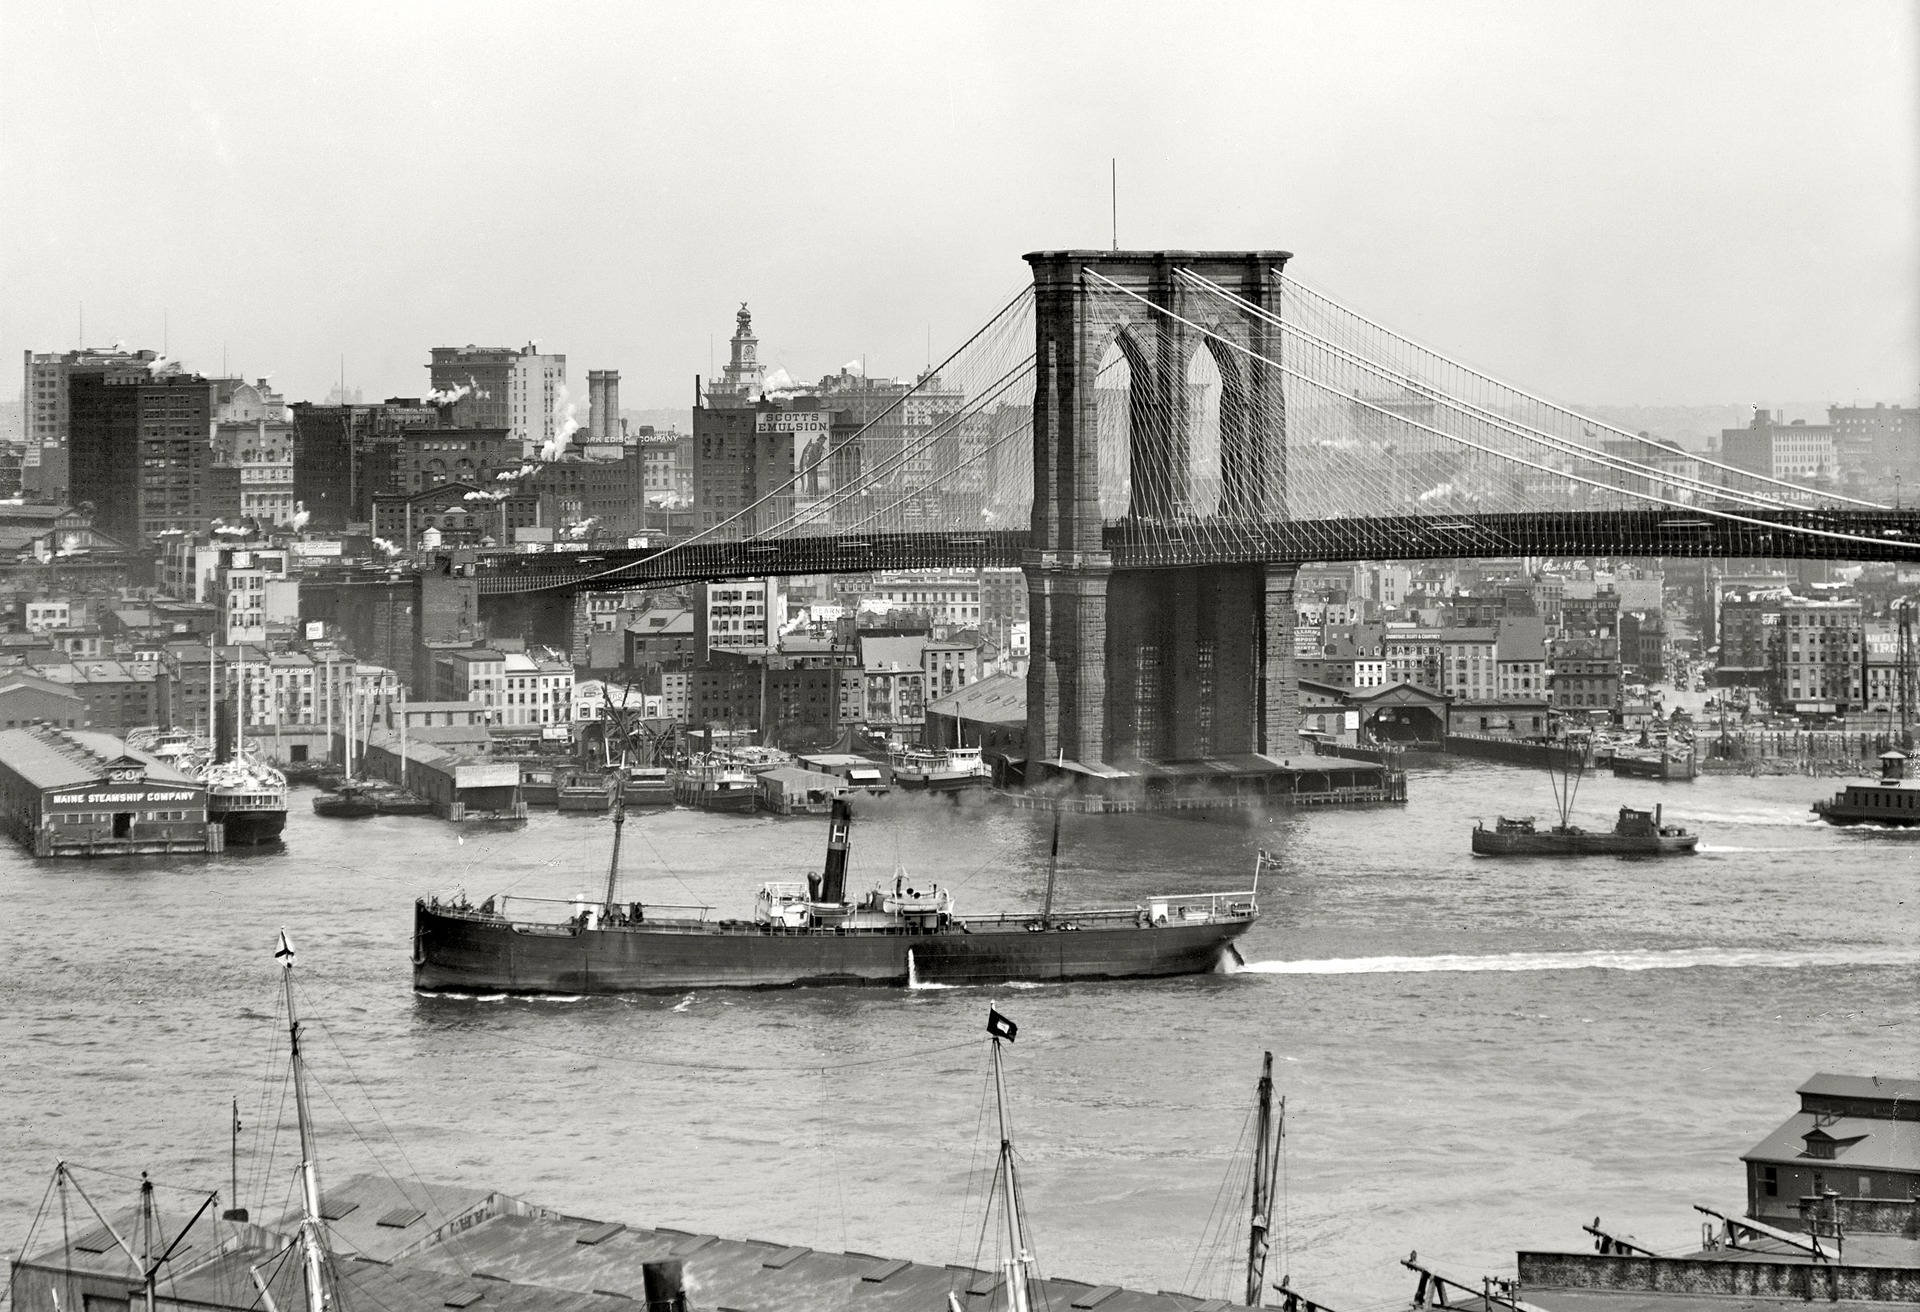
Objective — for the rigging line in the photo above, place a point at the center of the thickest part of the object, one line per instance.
(909, 495)
(38, 1212)
(1425, 390)
(279, 1260)
(1541, 400)
(870, 478)
(661, 861)
(1513, 459)
(413, 1171)
(1025, 292)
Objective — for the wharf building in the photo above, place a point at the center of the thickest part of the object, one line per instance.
(67, 792)
(1855, 1137)
(419, 1247)
(139, 443)
(515, 388)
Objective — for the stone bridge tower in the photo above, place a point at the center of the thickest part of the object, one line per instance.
(1138, 664)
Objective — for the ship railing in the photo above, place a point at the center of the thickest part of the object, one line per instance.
(1176, 907)
(558, 910)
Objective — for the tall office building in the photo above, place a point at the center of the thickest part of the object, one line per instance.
(515, 388)
(139, 447)
(344, 454)
(44, 469)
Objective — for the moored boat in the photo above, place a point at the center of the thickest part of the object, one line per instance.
(1635, 833)
(714, 783)
(583, 790)
(947, 769)
(1663, 764)
(1892, 799)
(646, 786)
(358, 799)
(813, 932)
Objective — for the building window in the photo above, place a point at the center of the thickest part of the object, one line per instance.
(1770, 1181)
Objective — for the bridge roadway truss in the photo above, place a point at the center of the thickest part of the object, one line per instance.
(1774, 534)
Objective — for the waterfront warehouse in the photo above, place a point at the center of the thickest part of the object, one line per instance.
(67, 792)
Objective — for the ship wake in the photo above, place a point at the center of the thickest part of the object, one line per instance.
(1597, 959)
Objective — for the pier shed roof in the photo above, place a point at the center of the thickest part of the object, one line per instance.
(1858, 1141)
(1874, 1087)
(752, 1275)
(61, 758)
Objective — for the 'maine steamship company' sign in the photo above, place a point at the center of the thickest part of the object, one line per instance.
(127, 797)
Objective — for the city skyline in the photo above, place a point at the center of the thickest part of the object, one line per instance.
(1608, 212)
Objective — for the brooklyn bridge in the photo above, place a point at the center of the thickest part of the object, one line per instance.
(1159, 439)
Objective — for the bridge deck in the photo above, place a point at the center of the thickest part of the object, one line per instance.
(1868, 535)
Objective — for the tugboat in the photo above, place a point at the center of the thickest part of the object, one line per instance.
(939, 770)
(1892, 799)
(1635, 833)
(811, 932)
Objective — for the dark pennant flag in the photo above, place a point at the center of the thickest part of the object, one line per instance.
(1000, 1027)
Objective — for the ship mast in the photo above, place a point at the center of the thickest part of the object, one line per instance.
(1053, 869)
(1266, 1166)
(313, 1249)
(1019, 1264)
(619, 822)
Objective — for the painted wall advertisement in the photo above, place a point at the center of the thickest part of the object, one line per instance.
(811, 430)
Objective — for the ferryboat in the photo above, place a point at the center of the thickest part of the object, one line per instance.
(942, 770)
(811, 932)
(1635, 833)
(1892, 799)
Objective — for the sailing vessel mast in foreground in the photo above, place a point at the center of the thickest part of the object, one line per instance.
(1266, 1167)
(1019, 1263)
(312, 1238)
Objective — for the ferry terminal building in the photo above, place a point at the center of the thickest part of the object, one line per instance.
(67, 792)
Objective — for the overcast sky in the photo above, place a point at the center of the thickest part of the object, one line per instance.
(1624, 202)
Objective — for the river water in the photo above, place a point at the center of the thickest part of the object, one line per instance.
(1477, 1055)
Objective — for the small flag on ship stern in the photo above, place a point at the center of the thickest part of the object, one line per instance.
(1000, 1027)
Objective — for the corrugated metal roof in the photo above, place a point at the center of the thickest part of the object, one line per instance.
(1001, 698)
(60, 758)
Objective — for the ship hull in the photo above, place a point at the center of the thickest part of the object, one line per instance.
(740, 802)
(1487, 842)
(464, 953)
(1840, 813)
(251, 828)
(1633, 767)
(937, 783)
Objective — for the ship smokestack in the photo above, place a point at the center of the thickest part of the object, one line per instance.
(223, 730)
(833, 880)
(663, 1286)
